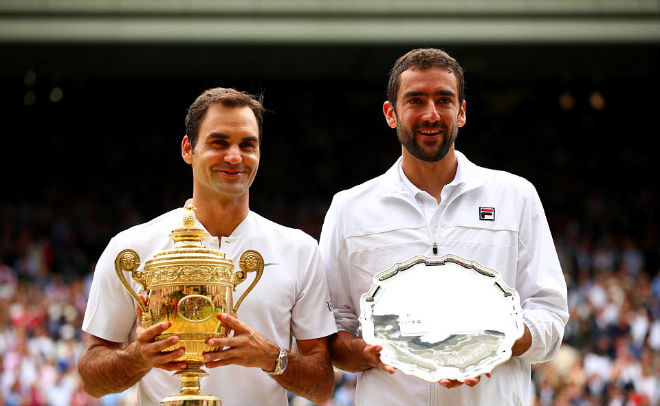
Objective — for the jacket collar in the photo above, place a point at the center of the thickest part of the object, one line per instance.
(468, 177)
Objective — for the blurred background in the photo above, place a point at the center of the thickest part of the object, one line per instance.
(93, 101)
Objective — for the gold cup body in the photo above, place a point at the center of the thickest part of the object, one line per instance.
(192, 310)
(188, 286)
(189, 292)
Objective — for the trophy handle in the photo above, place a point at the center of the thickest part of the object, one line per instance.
(129, 260)
(250, 261)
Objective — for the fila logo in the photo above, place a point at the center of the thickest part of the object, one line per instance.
(487, 213)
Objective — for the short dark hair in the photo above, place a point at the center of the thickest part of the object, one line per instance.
(422, 59)
(228, 97)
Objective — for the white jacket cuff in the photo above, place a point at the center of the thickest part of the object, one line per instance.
(547, 331)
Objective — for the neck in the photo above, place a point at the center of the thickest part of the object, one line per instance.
(430, 177)
(221, 216)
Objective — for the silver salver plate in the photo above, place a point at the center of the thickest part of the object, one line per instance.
(441, 317)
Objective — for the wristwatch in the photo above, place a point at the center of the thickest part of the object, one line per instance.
(282, 362)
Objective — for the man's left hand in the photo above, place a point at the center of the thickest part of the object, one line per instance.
(452, 383)
(246, 347)
(519, 347)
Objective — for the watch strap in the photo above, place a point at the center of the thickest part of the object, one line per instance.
(281, 364)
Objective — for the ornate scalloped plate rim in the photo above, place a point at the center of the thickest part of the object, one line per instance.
(380, 277)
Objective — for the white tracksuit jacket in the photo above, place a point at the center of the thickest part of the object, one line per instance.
(373, 225)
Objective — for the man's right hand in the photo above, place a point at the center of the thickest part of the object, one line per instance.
(372, 355)
(351, 353)
(151, 351)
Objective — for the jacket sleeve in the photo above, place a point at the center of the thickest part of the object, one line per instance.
(540, 283)
(332, 245)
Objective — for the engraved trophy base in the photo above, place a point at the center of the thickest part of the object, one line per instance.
(191, 399)
(190, 394)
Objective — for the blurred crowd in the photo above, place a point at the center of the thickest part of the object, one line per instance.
(610, 354)
(573, 120)
(611, 349)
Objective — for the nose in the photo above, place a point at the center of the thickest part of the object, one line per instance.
(233, 155)
(430, 112)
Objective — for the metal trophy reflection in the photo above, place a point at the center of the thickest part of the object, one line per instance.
(187, 286)
(441, 317)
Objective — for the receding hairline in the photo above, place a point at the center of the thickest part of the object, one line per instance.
(421, 59)
(226, 97)
(254, 121)
(453, 92)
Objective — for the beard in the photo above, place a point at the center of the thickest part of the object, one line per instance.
(409, 142)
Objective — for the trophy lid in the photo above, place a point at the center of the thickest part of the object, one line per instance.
(189, 235)
(203, 265)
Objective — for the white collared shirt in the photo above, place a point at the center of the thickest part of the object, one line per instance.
(427, 203)
(374, 225)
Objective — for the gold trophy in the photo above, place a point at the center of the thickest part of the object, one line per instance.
(188, 286)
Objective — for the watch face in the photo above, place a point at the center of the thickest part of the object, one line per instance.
(284, 361)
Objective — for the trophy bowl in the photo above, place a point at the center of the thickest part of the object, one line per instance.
(441, 317)
(188, 286)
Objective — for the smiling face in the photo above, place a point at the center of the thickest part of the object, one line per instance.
(226, 155)
(428, 113)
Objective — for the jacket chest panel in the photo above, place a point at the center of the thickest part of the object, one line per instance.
(492, 248)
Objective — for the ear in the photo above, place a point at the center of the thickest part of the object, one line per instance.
(390, 115)
(462, 118)
(186, 150)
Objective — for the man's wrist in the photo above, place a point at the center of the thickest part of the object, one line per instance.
(281, 362)
(133, 355)
(271, 363)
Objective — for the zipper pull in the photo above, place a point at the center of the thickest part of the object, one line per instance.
(435, 248)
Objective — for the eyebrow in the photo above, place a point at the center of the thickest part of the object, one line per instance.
(225, 136)
(218, 135)
(414, 93)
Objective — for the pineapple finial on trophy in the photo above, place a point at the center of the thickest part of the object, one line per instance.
(189, 235)
(189, 218)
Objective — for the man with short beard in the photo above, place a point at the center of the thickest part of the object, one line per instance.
(434, 201)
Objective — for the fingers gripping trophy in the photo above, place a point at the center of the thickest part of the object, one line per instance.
(187, 286)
